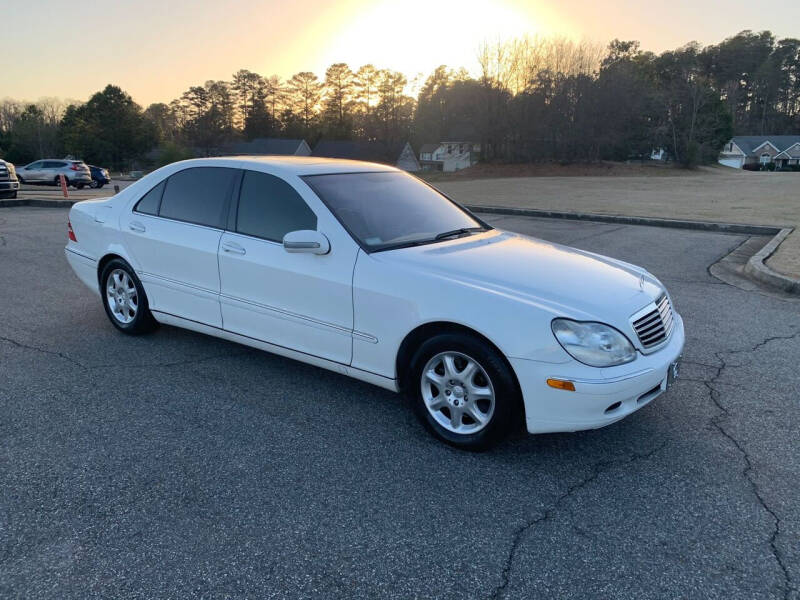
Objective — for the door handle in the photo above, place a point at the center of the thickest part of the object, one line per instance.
(136, 226)
(233, 248)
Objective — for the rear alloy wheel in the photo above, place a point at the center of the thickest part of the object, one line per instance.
(124, 299)
(464, 391)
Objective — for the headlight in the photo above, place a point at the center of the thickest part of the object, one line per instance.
(594, 344)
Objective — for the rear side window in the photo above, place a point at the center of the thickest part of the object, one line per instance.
(270, 208)
(198, 195)
(150, 201)
(51, 164)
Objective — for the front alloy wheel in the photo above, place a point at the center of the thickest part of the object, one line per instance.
(463, 390)
(457, 392)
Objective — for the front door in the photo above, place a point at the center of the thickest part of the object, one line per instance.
(173, 234)
(33, 172)
(299, 301)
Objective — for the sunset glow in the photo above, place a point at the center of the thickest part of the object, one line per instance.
(397, 35)
(156, 49)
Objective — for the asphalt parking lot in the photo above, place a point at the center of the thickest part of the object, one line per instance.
(177, 465)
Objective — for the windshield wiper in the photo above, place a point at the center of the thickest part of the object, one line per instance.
(460, 231)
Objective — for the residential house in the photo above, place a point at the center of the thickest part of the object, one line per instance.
(751, 151)
(399, 155)
(449, 156)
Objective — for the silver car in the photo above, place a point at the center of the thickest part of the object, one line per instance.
(47, 172)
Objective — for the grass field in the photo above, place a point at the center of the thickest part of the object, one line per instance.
(707, 194)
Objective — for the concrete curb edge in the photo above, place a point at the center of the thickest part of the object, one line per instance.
(758, 269)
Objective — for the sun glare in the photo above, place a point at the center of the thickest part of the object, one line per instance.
(418, 35)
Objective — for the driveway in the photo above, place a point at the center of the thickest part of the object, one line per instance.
(178, 465)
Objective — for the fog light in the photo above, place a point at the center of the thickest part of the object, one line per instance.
(560, 384)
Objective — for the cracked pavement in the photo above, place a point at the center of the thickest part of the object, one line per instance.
(178, 465)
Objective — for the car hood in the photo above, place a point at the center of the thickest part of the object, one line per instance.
(567, 281)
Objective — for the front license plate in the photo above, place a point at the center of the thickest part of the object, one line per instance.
(672, 372)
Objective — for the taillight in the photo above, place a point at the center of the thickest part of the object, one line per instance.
(75, 167)
(70, 233)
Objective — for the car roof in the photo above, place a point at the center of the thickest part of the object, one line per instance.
(291, 165)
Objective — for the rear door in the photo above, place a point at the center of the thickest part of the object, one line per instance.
(173, 233)
(299, 301)
(51, 169)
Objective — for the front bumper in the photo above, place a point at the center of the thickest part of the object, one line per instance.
(601, 396)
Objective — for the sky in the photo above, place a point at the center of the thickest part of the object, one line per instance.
(156, 49)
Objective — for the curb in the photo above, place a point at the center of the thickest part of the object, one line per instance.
(651, 221)
(37, 203)
(755, 268)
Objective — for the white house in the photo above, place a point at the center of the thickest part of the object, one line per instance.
(751, 151)
(449, 156)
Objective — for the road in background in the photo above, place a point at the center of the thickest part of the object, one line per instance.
(179, 465)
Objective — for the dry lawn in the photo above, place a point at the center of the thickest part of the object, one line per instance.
(708, 194)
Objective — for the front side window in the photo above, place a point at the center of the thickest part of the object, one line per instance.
(198, 195)
(385, 210)
(270, 208)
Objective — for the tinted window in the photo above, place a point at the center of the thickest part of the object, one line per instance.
(198, 195)
(270, 208)
(150, 201)
(390, 209)
(36, 165)
(51, 164)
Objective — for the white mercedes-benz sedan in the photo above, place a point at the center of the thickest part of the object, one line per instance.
(367, 271)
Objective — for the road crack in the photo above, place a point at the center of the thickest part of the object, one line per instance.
(85, 367)
(749, 470)
(61, 355)
(597, 469)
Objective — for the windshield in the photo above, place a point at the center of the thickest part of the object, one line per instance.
(390, 209)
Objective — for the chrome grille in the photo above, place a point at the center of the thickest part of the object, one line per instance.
(655, 326)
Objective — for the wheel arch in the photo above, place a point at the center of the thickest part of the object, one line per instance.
(423, 332)
(104, 260)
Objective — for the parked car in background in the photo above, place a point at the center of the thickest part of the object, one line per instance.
(8, 180)
(46, 172)
(100, 176)
(365, 270)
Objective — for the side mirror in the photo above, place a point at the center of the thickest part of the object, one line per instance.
(306, 240)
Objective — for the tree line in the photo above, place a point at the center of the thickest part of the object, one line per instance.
(533, 99)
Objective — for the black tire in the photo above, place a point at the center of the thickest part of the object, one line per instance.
(94, 184)
(502, 380)
(143, 321)
(79, 186)
(100, 184)
(20, 179)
